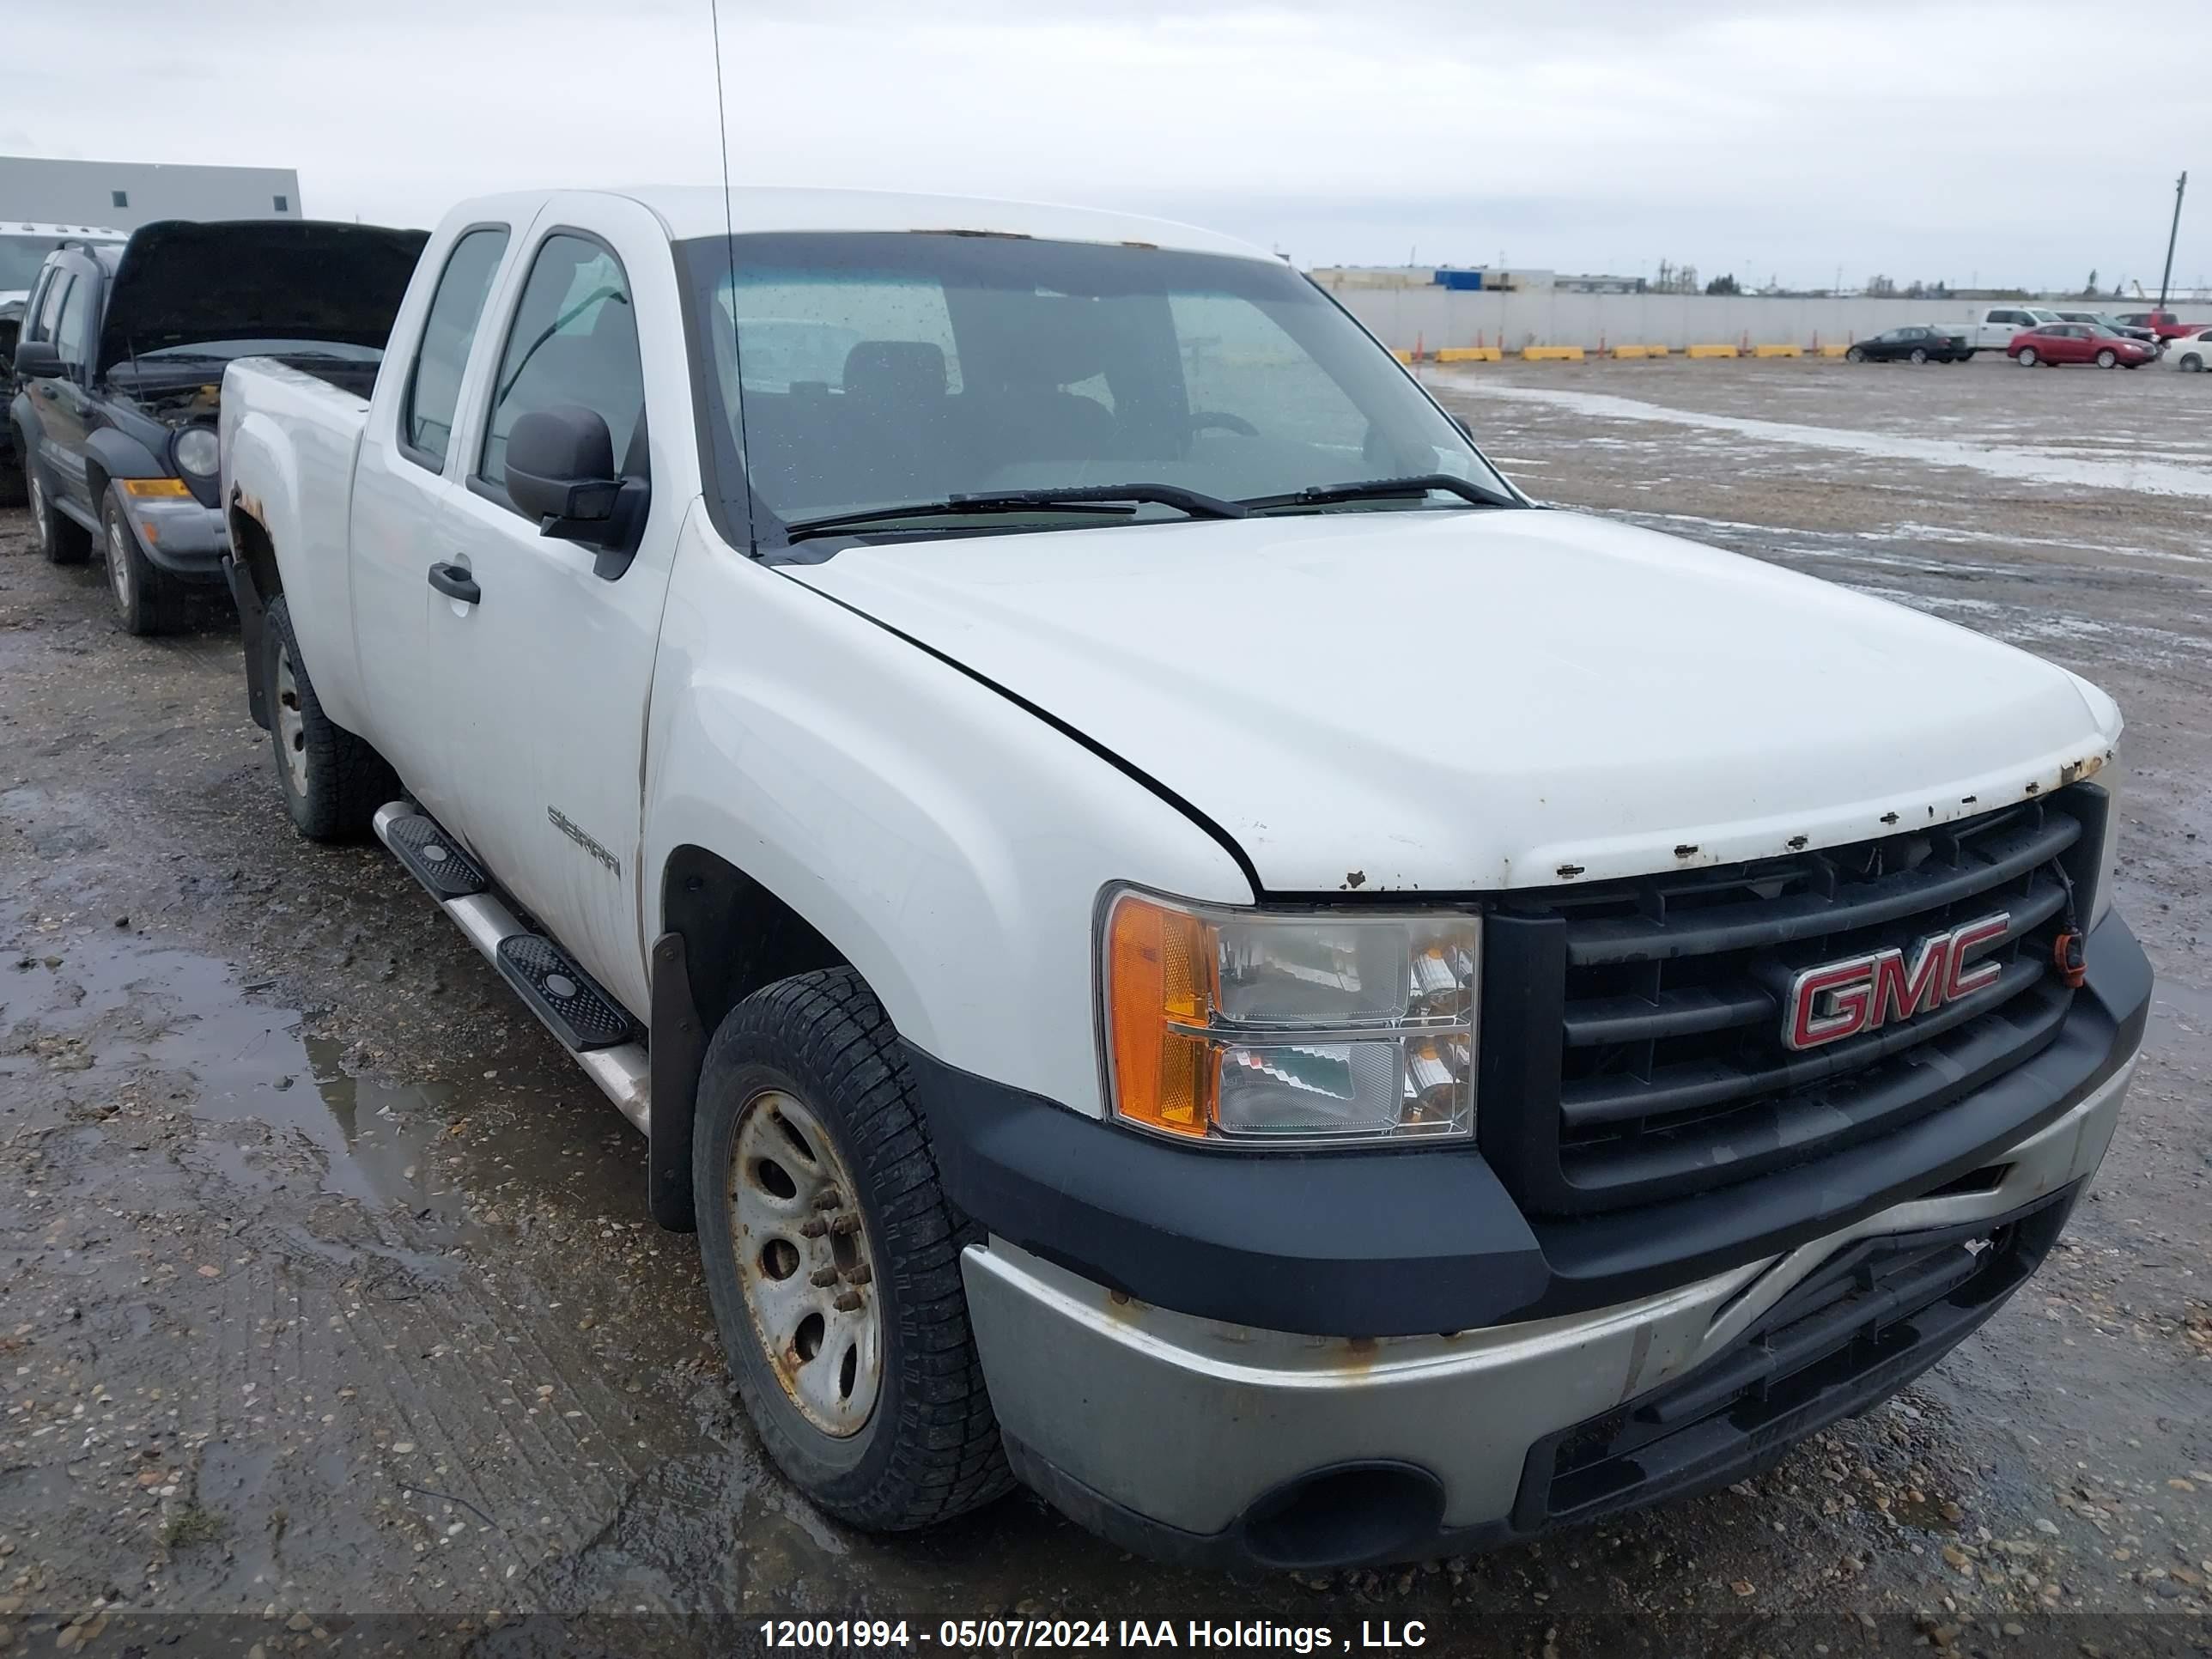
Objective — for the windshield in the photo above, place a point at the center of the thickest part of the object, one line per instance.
(224, 350)
(862, 370)
(20, 259)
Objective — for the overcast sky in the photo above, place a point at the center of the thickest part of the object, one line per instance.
(2008, 143)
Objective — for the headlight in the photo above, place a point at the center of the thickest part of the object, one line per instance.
(2100, 902)
(1242, 1027)
(197, 453)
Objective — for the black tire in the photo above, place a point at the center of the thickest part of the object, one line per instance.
(146, 601)
(335, 781)
(1854, 356)
(63, 540)
(2107, 358)
(2025, 357)
(1920, 354)
(2191, 364)
(929, 1449)
(14, 486)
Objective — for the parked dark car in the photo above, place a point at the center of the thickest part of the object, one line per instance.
(118, 373)
(2079, 342)
(1914, 345)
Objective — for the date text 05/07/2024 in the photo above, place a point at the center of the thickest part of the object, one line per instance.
(998, 1635)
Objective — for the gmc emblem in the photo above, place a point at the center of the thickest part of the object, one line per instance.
(1841, 1000)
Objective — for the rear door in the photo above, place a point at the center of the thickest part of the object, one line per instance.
(407, 491)
(555, 659)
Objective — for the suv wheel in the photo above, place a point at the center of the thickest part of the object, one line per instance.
(832, 1260)
(63, 540)
(331, 780)
(145, 600)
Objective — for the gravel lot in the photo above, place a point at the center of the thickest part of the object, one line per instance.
(328, 1304)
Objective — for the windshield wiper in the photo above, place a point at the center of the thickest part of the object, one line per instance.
(1104, 498)
(1367, 489)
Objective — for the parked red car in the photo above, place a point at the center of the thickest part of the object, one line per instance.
(2079, 343)
(2163, 324)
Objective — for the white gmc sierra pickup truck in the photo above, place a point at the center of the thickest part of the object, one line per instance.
(1175, 937)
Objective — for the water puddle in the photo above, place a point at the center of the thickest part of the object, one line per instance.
(121, 1013)
(2024, 464)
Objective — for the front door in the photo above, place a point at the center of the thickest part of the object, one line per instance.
(547, 742)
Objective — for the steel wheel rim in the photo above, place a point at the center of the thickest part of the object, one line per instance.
(803, 1250)
(38, 513)
(291, 723)
(119, 564)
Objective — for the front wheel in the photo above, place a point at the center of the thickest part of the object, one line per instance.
(145, 600)
(832, 1258)
(1854, 356)
(331, 780)
(2026, 357)
(2191, 364)
(2107, 357)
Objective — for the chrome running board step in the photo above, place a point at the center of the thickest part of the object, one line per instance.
(591, 1025)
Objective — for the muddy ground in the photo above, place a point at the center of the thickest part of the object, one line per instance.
(330, 1317)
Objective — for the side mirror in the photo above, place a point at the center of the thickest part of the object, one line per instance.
(561, 471)
(1465, 430)
(38, 359)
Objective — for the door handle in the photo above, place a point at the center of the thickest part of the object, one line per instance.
(454, 581)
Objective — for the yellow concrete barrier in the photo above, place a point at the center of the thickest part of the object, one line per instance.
(1833, 350)
(1712, 351)
(1553, 354)
(1639, 351)
(1405, 357)
(1468, 354)
(1777, 351)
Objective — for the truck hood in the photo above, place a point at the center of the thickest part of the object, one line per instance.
(181, 283)
(1488, 699)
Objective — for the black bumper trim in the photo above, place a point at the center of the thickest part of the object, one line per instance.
(1398, 1244)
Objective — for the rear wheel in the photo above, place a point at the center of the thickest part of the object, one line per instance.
(832, 1260)
(63, 540)
(2026, 358)
(2107, 357)
(146, 601)
(1920, 354)
(1854, 356)
(331, 780)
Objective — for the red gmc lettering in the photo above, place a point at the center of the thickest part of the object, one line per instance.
(1839, 999)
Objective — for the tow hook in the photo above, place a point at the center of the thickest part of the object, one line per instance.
(2069, 952)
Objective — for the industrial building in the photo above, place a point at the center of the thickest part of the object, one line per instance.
(127, 194)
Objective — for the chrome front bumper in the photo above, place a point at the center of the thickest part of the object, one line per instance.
(1185, 1423)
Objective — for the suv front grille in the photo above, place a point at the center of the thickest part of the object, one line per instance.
(1667, 1071)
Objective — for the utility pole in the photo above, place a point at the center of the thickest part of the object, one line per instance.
(2180, 185)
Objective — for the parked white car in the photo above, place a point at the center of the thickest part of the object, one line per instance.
(1176, 938)
(2190, 353)
(1992, 327)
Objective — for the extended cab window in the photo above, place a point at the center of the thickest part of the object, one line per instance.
(448, 331)
(57, 288)
(574, 341)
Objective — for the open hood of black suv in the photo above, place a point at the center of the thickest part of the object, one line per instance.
(180, 284)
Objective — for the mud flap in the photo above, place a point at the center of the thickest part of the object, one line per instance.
(678, 1051)
(252, 614)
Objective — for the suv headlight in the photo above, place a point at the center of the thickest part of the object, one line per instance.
(1301, 1029)
(198, 451)
(2100, 902)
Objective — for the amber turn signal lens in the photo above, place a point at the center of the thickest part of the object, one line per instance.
(1160, 966)
(140, 489)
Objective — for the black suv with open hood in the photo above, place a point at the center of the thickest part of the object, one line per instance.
(119, 371)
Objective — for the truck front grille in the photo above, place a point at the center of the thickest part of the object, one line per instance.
(1668, 1071)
